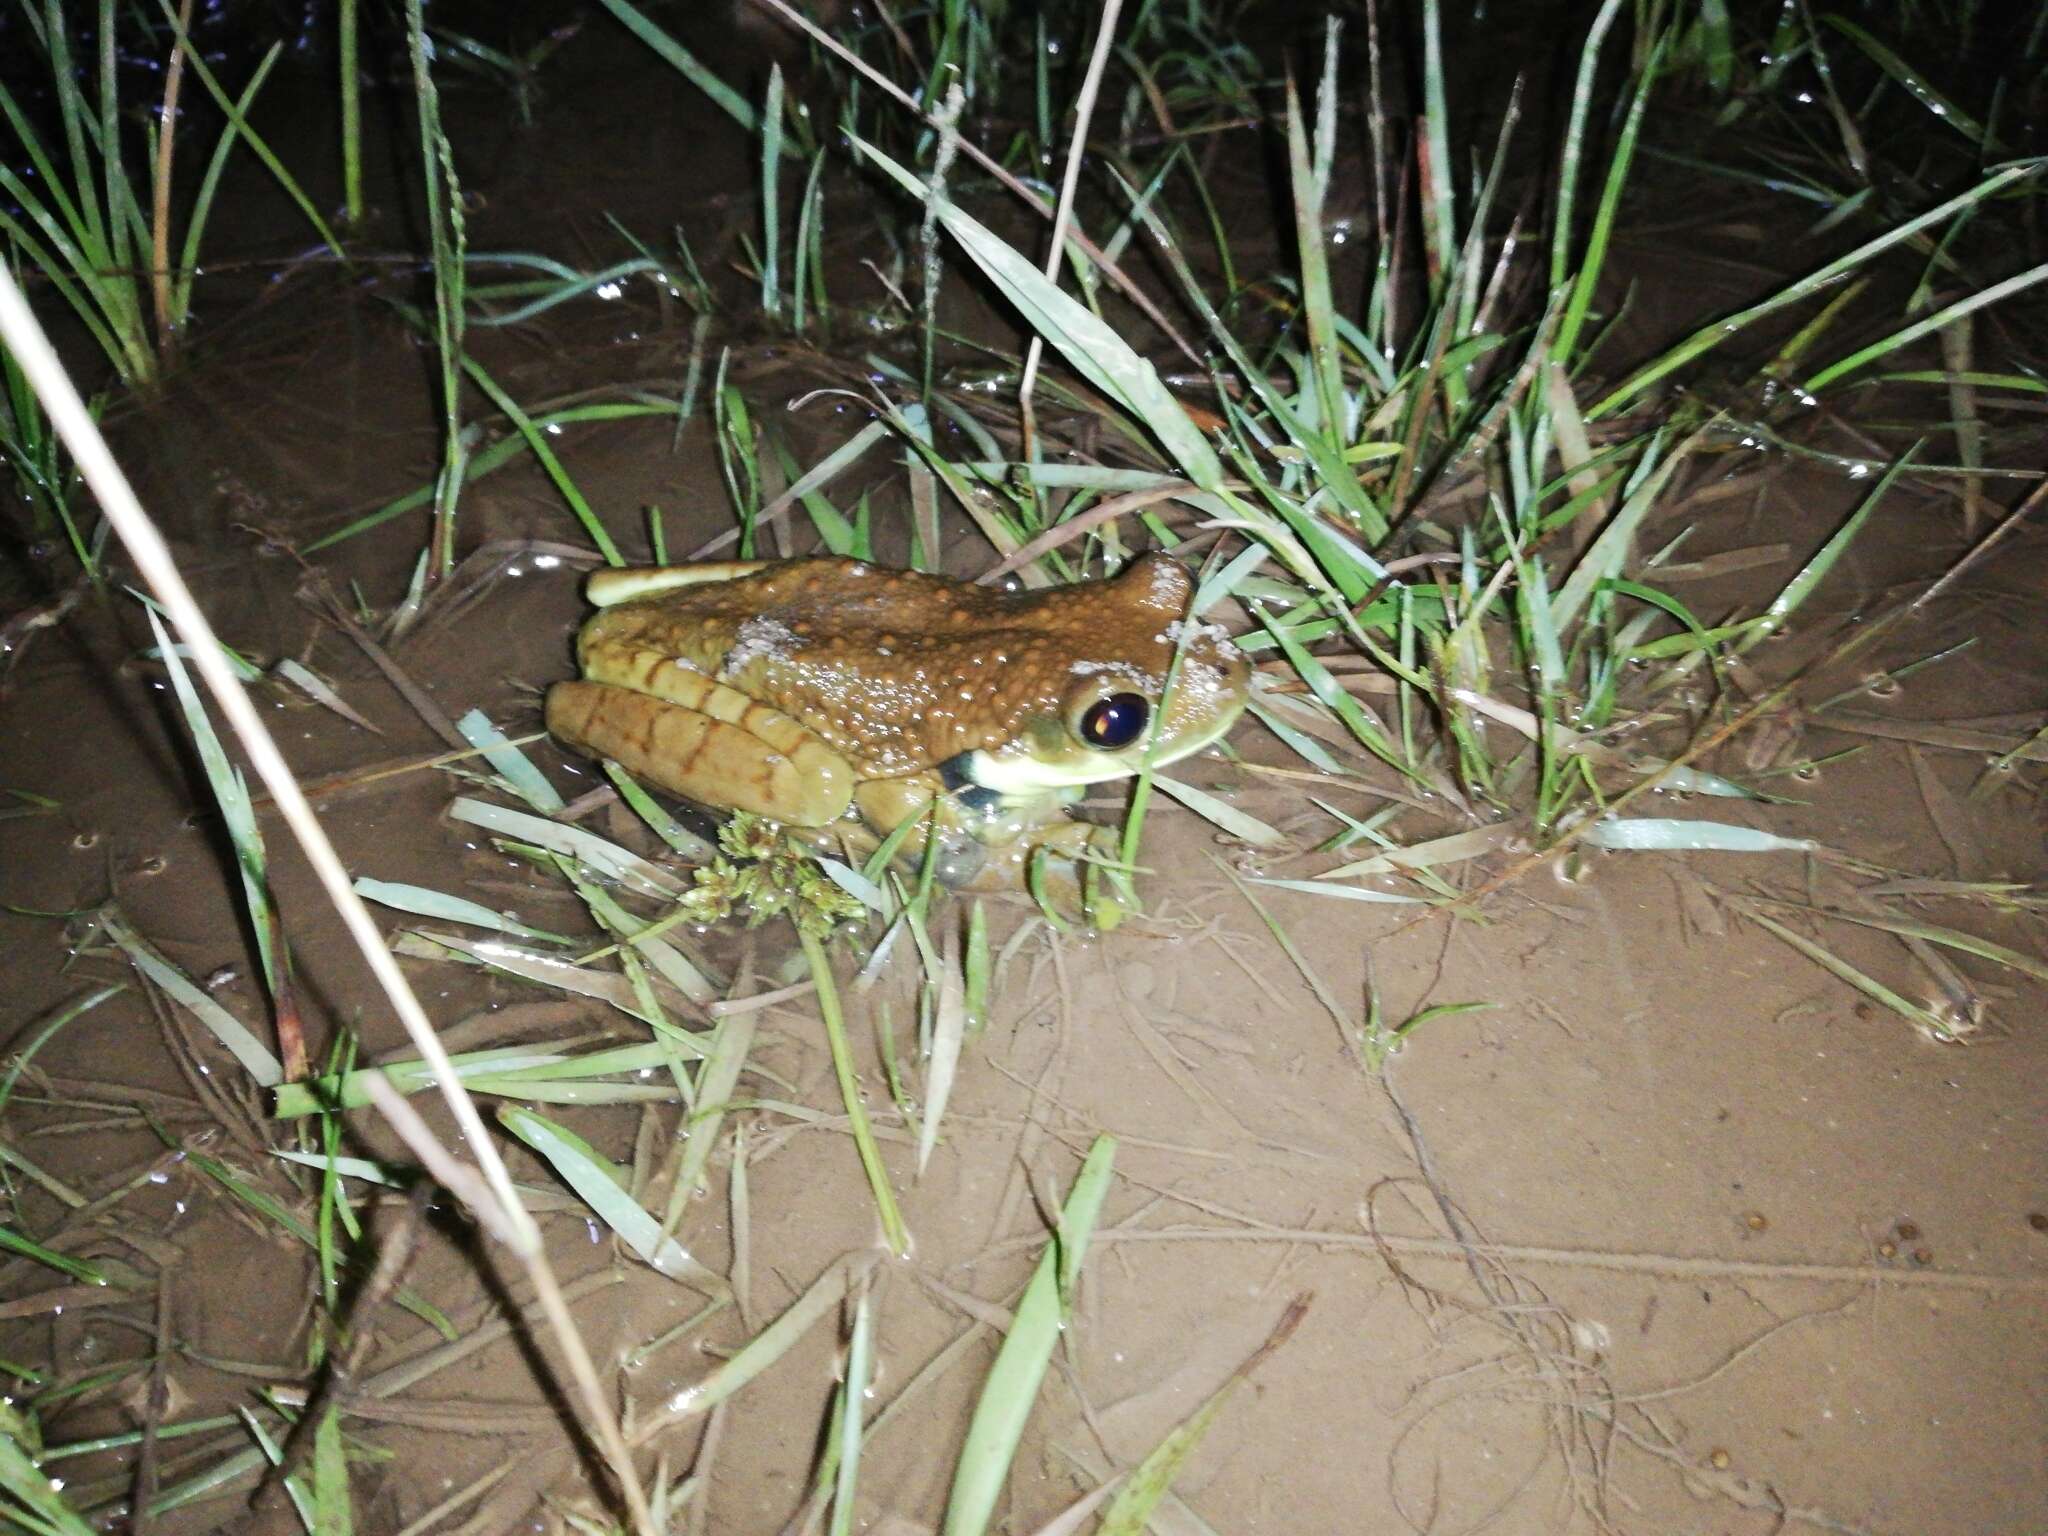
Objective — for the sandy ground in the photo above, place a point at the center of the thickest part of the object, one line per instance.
(1678, 1234)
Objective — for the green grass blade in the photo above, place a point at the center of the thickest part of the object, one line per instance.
(255, 1058)
(425, 902)
(728, 100)
(257, 146)
(771, 199)
(818, 1302)
(1809, 576)
(1715, 332)
(26, 1247)
(30, 1486)
(1574, 144)
(511, 765)
(546, 455)
(1921, 1017)
(607, 858)
(725, 1058)
(1089, 345)
(1591, 265)
(209, 184)
(1317, 306)
(1949, 938)
(1012, 1386)
(332, 1513)
(1947, 315)
(602, 1187)
(853, 1390)
(1912, 82)
(893, 1230)
(237, 813)
(1440, 175)
(1606, 556)
(1147, 1485)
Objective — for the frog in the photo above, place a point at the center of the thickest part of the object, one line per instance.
(842, 699)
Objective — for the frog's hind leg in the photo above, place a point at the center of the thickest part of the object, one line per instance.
(708, 743)
(632, 583)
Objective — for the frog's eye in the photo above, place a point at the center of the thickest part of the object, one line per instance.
(1113, 723)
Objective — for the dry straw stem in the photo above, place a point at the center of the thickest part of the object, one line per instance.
(1664, 1265)
(497, 1203)
(1063, 215)
(1989, 542)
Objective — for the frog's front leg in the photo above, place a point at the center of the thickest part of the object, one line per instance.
(987, 841)
(882, 805)
(693, 736)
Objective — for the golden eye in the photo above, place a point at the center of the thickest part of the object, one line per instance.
(1111, 724)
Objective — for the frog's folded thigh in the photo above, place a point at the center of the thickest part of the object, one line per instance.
(732, 753)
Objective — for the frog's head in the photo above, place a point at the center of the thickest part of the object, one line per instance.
(1146, 683)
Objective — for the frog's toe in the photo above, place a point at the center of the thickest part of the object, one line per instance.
(960, 861)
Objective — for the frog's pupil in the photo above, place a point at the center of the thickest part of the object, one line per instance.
(1115, 722)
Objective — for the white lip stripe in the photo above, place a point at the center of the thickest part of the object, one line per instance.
(1027, 775)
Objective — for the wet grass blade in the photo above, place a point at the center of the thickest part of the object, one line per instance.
(728, 100)
(1221, 814)
(1914, 84)
(1709, 336)
(1089, 345)
(771, 193)
(603, 1188)
(949, 1028)
(511, 765)
(1010, 1391)
(724, 1059)
(424, 902)
(255, 141)
(515, 1071)
(1921, 1017)
(893, 1231)
(328, 1495)
(853, 1393)
(476, 466)
(254, 1056)
(548, 462)
(1135, 1502)
(1674, 834)
(1949, 938)
(1602, 233)
(1583, 97)
(1947, 315)
(32, 1038)
(819, 1301)
(1354, 715)
(664, 826)
(239, 817)
(606, 858)
(1606, 557)
(28, 1485)
(27, 1247)
(1810, 575)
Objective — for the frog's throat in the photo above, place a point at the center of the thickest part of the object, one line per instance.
(1014, 772)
